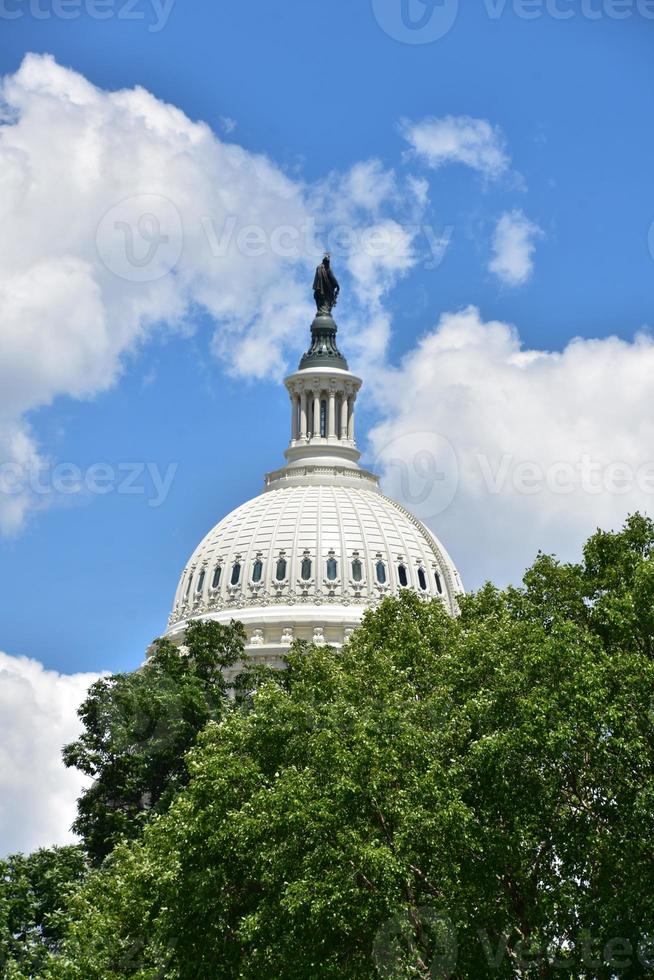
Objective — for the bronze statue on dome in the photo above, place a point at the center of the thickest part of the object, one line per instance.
(325, 287)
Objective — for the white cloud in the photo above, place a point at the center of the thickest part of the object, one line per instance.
(120, 215)
(513, 248)
(548, 445)
(387, 254)
(369, 185)
(459, 139)
(37, 718)
(69, 155)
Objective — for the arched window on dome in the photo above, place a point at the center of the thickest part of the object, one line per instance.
(402, 575)
(305, 569)
(200, 582)
(422, 579)
(332, 569)
(282, 568)
(188, 584)
(236, 574)
(380, 570)
(257, 570)
(217, 572)
(439, 584)
(357, 570)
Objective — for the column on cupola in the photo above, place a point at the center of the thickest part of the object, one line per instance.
(295, 417)
(303, 415)
(344, 415)
(316, 414)
(350, 424)
(331, 414)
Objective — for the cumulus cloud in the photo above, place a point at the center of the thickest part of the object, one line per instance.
(121, 215)
(369, 184)
(106, 203)
(389, 253)
(458, 139)
(37, 718)
(504, 450)
(514, 243)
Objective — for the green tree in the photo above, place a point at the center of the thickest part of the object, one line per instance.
(468, 797)
(35, 893)
(139, 726)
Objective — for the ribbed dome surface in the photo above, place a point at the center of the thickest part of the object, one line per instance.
(262, 548)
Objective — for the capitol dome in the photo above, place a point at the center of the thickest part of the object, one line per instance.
(322, 543)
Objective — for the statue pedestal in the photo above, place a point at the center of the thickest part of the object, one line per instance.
(324, 350)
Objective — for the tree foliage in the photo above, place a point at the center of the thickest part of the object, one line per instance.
(35, 896)
(467, 798)
(138, 728)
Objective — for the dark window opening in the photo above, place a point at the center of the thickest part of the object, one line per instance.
(257, 571)
(381, 572)
(404, 578)
(422, 579)
(323, 419)
(200, 584)
(332, 569)
(306, 569)
(216, 576)
(236, 574)
(439, 584)
(281, 569)
(357, 570)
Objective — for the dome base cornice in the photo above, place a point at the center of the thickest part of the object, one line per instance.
(321, 474)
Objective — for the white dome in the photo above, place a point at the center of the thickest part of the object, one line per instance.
(270, 563)
(322, 544)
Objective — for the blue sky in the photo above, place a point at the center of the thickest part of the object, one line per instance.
(317, 87)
